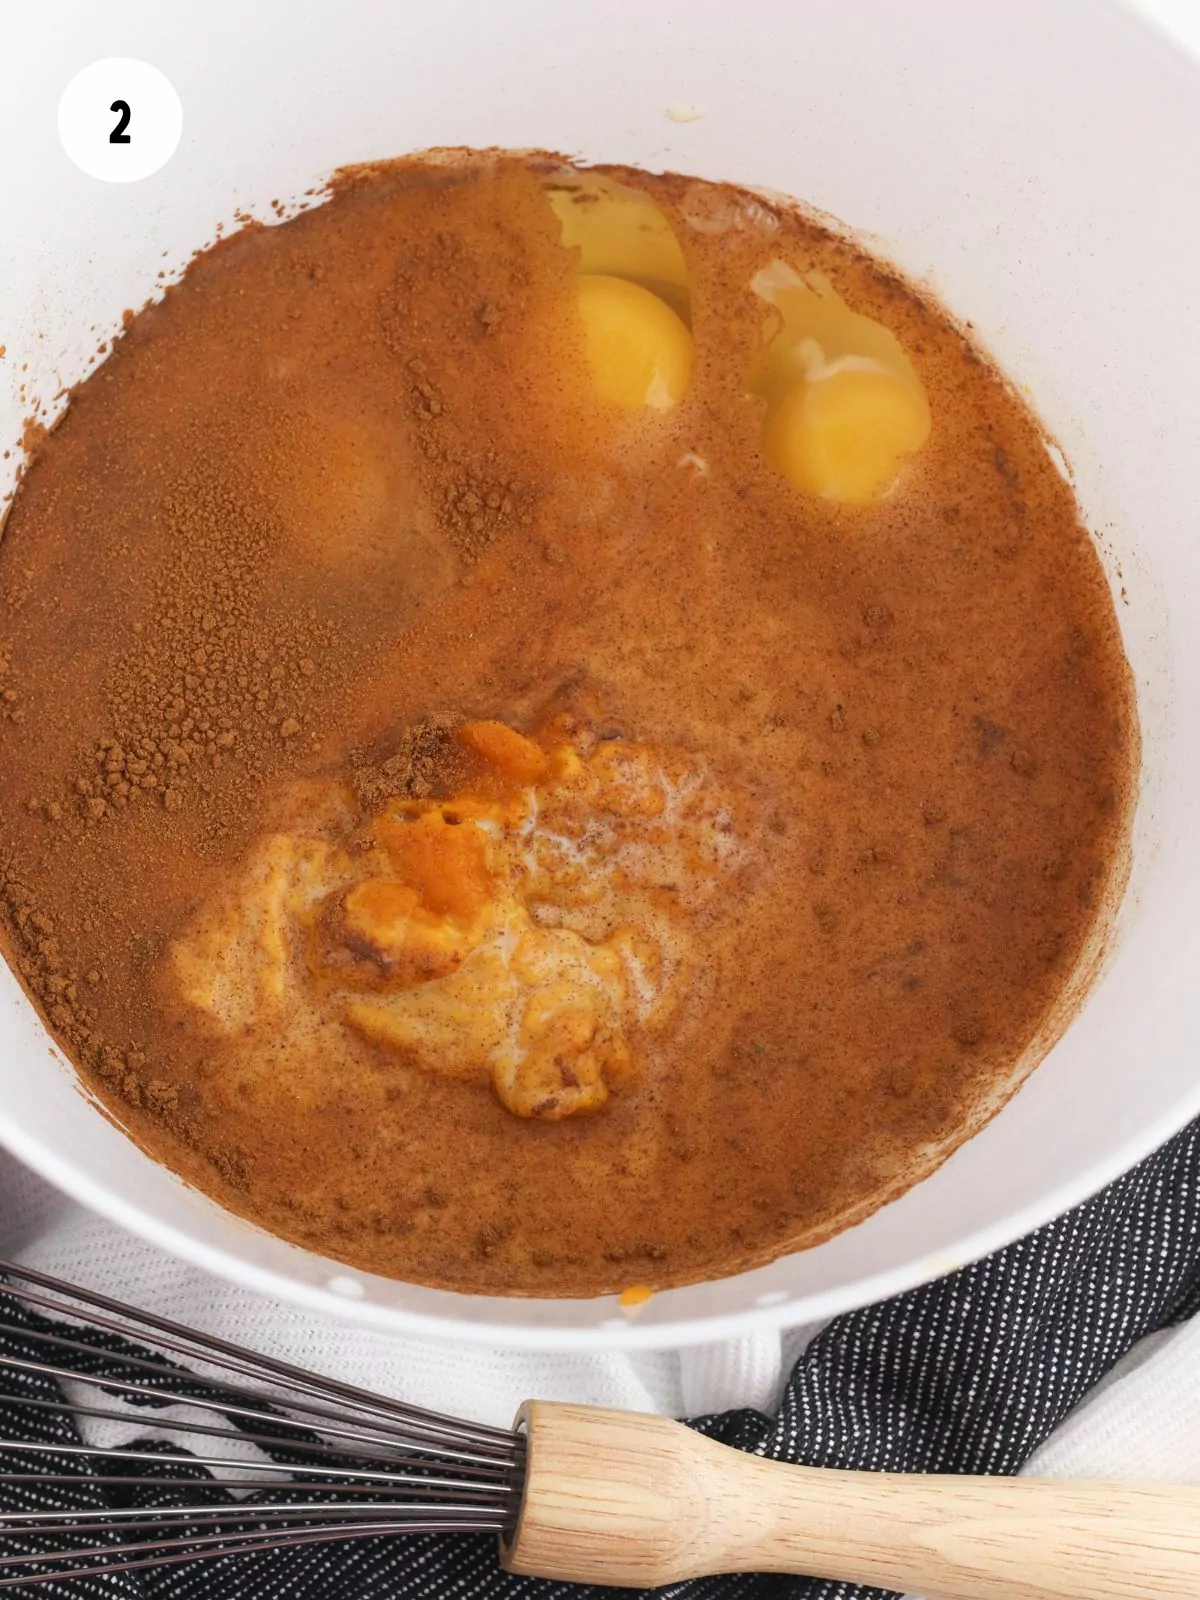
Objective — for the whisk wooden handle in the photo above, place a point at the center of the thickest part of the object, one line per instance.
(635, 1501)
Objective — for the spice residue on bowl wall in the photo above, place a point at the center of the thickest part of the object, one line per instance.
(560, 728)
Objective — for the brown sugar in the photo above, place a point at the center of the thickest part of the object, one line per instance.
(426, 759)
(349, 488)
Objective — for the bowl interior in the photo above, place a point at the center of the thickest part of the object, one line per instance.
(965, 144)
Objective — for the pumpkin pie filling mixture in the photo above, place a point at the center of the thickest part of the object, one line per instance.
(560, 729)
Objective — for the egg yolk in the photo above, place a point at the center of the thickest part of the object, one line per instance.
(638, 350)
(845, 405)
(620, 233)
(634, 298)
(844, 436)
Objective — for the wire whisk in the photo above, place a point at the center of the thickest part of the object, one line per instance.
(326, 1461)
(232, 1453)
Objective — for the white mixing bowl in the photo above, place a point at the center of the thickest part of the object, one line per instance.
(1034, 161)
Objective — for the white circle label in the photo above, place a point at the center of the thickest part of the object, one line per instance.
(120, 120)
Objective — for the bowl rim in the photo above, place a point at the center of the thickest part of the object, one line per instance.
(795, 1311)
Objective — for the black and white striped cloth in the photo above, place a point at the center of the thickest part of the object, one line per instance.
(970, 1374)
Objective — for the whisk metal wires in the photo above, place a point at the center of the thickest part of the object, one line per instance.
(326, 1461)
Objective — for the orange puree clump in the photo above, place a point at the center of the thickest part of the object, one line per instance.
(516, 931)
(507, 750)
(444, 863)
